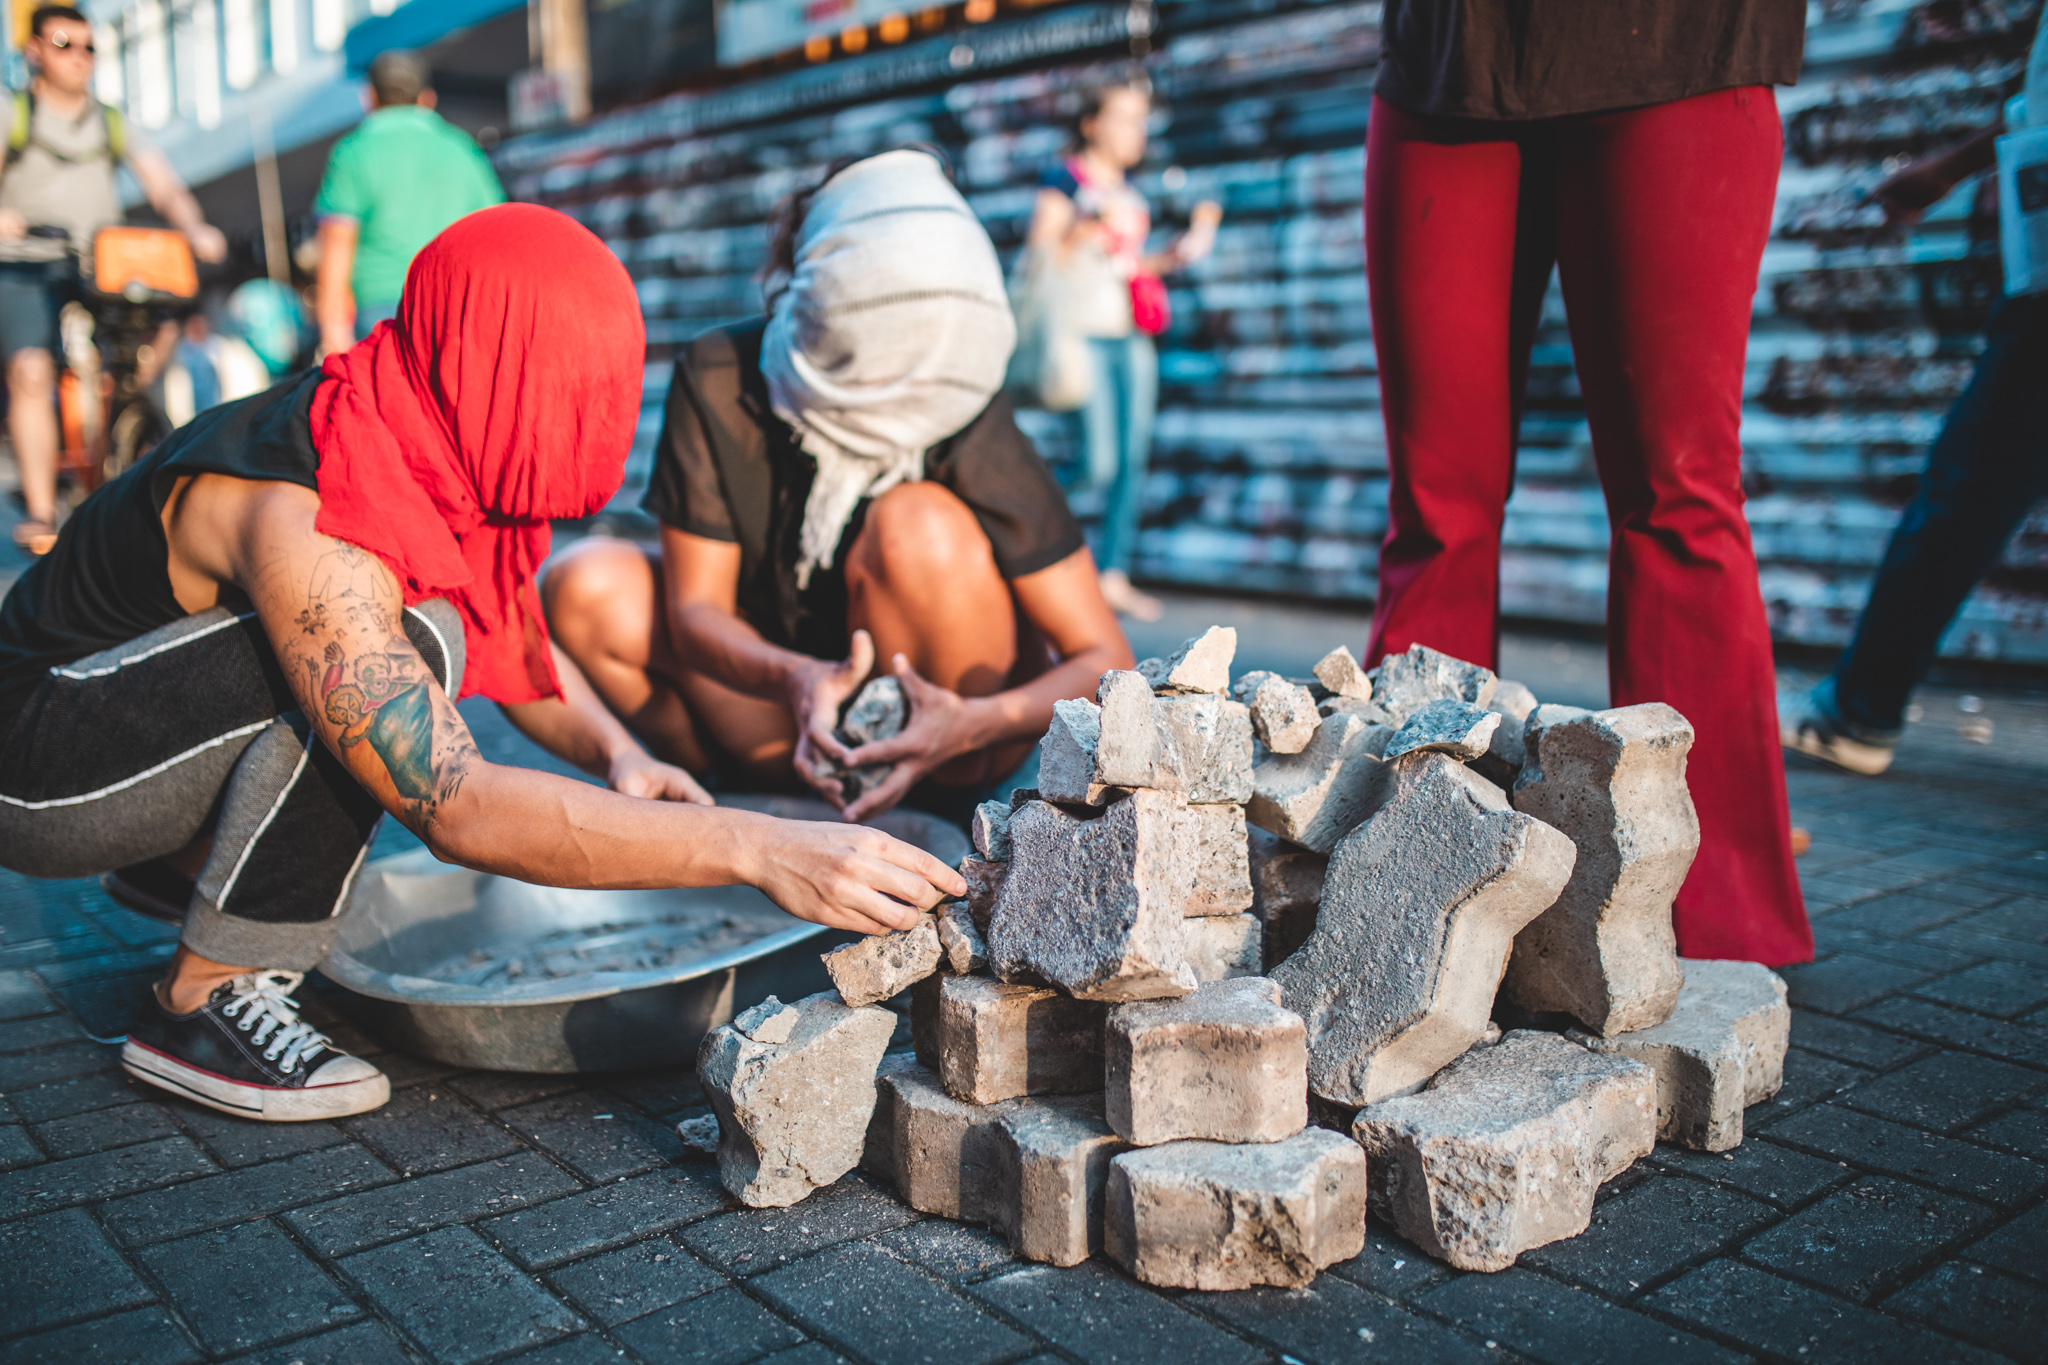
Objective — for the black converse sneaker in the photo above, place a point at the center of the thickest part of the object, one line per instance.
(246, 1051)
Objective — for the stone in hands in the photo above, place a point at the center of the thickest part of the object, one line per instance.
(881, 965)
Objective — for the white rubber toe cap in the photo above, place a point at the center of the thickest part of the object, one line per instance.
(342, 1071)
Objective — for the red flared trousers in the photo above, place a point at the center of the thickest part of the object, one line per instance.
(1656, 219)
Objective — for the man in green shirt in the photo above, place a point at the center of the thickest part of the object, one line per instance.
(404, 174)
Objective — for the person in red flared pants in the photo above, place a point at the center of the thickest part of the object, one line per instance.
(1637, 150)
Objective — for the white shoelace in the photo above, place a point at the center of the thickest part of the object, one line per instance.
(263, 1001)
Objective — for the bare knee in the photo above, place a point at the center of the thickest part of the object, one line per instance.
(917, 532)
(600, 600)
(31, 370)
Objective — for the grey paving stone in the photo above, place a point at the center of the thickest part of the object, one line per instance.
(16, 1149)
(1863, 1238)
(605, 1217)
(21, 995)
(103, 1175)
(634, 1281)
(1877, 1144)
(594, 1136)
(2019, 1042)
(955, 1252)
(1855, 1043)
(143, 1334)
(2006, 989)
(2024, 918)
(427, 1128)
(860, 1297)
(106, 995)
(1550, 1322)
(1947, 1093)
(361, 1343)
(818, 1353)
(1981, 1305)
(659, 1092)
(1847, 981)
(1921, 953)
(1654, 1229)
(1901, 913)
(238, 1142)
(105, 1129)
(458, 1298)
(78, 1094)
(59, 1267)
(1332, 1320)
(20, 1035)
(2017, 1246)
(2023, 1130)
(27, 1069)
(247, 1286)
(1809, 1078)
(428, 1201)
(723, 1327)
(749, 1241)
(247, 1193)
(495, 1090)
(1960, 937)
(588, 1349)
(1772, 1173)
(1766, 1312)
(1099, 1316)
(1391, 1265)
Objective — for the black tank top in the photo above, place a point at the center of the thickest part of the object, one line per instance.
(108, 579)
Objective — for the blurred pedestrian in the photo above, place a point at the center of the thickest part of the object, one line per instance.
(1985, 472)
(1089, 230)
(56, 190)
(1635, 145)
(391, 186)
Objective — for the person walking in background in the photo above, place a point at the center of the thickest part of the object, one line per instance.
(1089, 229)
(1635, 145)
(391, 186)
(1985, 472)
(62, 147)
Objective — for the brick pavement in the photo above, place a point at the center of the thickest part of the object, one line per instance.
(1889, 1204)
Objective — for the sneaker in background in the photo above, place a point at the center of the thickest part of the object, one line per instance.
(1807, 724)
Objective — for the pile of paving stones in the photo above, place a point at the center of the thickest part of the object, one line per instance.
(1231, 974)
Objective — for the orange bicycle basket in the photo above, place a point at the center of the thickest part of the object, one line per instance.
(144, 264)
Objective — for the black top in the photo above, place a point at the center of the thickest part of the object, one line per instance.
(108, 580)
(1528, 59)
(727, 468)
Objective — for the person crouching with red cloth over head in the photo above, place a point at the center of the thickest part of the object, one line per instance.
(247, 649)
(1635, 144)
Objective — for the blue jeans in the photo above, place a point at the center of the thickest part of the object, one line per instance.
(1986, 470)
(1116, 437)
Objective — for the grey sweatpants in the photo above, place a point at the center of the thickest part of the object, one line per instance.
(132, 753)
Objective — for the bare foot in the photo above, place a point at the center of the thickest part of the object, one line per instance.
(1126, 600)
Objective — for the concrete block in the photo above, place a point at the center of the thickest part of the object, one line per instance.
(1207, 1215)
(1227, 1064)
(943, 1152)
(984, 880)
(1201, 664)
(1340, 675)
(1127, 748)
(1457, 728)
(1197, 745)
(881, 965)
(1553, 713)
(1512, 700)
(1722, 1050)
(1205, 748)
(1420, 907)
(1504, 1149)
(1287, 885)
(924, 1020)
(1224, 946)
(1284, 715)
(1066, 756)
(770, 1021)
(991, 831)
(1502, 762)
(878, 1152)
(1404, 682)
(1051, 1169)
(1222, 871)
(995, 1042)
(793, 1115)
(1094, 906)
(1614, 781)
(1316, 797)
(961, 945)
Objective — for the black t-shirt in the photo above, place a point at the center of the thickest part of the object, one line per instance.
(108, 580)
(1528, 59)
(727, 468)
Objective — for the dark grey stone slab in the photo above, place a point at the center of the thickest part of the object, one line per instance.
(16, 1149)
(1858, 1044)
(860, 1297)
(247, 1286)
(58, 1268)
(361, 1343)
(1099, 1316)
(21, 1035)
(1902, 913)
(2019, 1042)
(495, 1090)
(634, 1281)
(1947, 1093)
(105, 1129)
(27, 1069)
(588, 1349)
(458, 1298)
(2024, 919)
(141, 1334)
(2006, 989)
(723, 1327)
(2018, 1245)
(595, 1136)
(1391, 1265)
(79, 1094)
(606, 1217)
(658, 1092)
(1847, 981)
(1979, 1304)
(247, 1193)
(957, 1252)
(1871, 1143)
(427, 1128)
(1772, 1173)
(428, 1201)
(103, 1175)
(237, 1142)
(818, 1353)
(1767, 1313)
(1862, 1239)
(1809, 1079)
(749, 1241)
(1547, 1321)
(21, 995)
(1646, 1234)
(2024, 1130)
(1334, 1320)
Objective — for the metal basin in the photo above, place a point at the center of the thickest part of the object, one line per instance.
(489, 972)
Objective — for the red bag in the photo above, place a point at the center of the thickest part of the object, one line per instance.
(1150, 311)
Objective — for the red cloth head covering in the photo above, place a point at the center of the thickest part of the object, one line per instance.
(504, 394)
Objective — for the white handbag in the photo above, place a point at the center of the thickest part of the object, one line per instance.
(1051, 367)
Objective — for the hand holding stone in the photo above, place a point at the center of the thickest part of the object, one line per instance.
(815, 695)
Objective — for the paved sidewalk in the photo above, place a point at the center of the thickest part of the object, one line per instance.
(1888, 1205)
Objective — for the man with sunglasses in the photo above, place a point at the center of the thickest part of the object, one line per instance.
(61, 151)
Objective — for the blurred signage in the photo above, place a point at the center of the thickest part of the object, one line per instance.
(541, 97)
(749, 30)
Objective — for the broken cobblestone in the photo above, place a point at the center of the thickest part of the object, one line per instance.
(1201, 664)
(1227, 1064)
(1219, 947)
(1340, 676)
(942, 1150)
(1287, 885)
(1316, 797)
(1284, 715)
(882, 965)
(1403, 683)
(1457, 728)
(996, 1042)
(1222, 871)
(960, 942)
(1051, 1168)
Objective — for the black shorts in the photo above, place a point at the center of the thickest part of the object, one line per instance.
(31, 295)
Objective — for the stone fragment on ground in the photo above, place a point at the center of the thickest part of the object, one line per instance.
(1404, 682)
(984, 879)
(1614, 781)
(1505, 1148)
(1210, 1215)
(1201, 664)
(1284, 715)
(882, 965)
(1051, 1168)
(699, 1136)
(1287, 885)
(1316, 797)
(1222, 871)
(1340, 676)
(991, 831)
(1721, 1050)
(1419, 909)
(1094, 906)
(943, 1151)
(1457, 728)
(1226, 1064)
(996, 1042)
(793, 1115)
(1220, 947)
(961, 946)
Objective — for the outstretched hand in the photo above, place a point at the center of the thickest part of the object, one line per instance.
(816, 696)
(848, 877)
(638, 773)
(937, 729)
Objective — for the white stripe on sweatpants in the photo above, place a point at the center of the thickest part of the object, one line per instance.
(142, 776)
(152, 651)
(220, 902)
